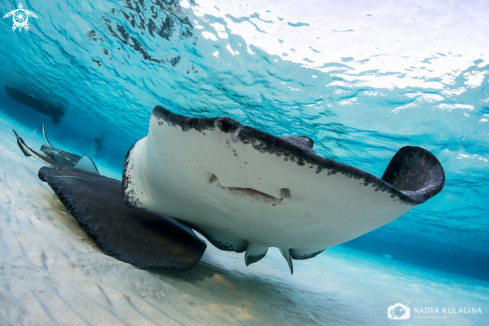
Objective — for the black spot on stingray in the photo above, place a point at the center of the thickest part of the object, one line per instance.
(228, 125)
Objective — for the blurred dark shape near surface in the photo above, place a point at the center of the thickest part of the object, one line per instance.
(97, 142)
(56, 113)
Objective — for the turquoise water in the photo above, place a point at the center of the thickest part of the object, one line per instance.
(361, 79)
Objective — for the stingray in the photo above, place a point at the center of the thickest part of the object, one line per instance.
(83, 162)
(246, 190)
(138, 237)
(56, 113)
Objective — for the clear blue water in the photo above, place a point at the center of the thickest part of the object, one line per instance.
(361, 79)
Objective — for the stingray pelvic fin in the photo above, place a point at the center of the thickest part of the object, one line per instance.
(29, 152)
(254, 253)
(44, 133)
(286, 254)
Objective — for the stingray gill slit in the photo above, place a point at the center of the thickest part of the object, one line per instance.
(252, 194)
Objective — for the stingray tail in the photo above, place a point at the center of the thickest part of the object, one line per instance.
(29, 152)
(416, 173)
(85, 163)
(44, 133)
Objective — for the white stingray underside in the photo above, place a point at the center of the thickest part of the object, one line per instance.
(239, 195)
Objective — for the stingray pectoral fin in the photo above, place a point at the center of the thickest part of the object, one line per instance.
(136, 236)
(286, 254)
(86, 164)
(254, 253)
(29, 152)
(416, 173)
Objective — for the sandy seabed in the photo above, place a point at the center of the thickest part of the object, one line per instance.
(52, 274)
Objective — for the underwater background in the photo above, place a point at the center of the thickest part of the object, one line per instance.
(360, 78)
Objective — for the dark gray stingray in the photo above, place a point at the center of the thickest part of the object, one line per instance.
(56, 113)
(84, 162)
(141, 238)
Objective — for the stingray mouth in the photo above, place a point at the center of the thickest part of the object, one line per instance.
(252, 194)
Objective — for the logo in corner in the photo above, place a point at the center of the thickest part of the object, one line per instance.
(20, 17)
(398, 311)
